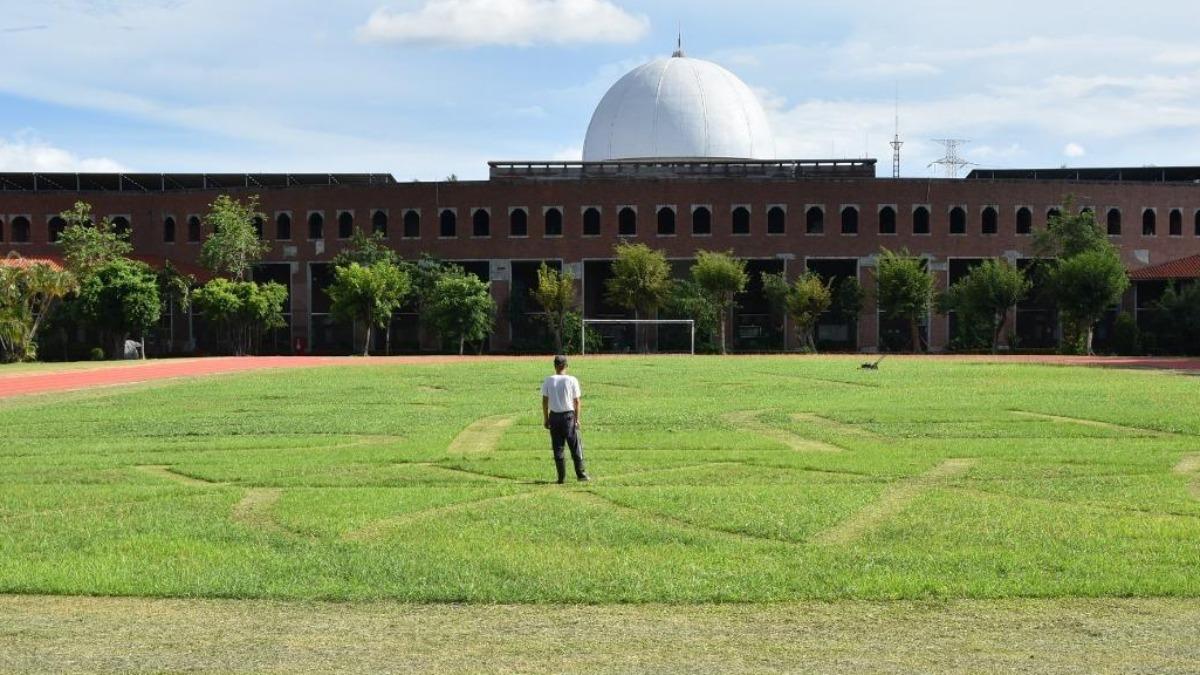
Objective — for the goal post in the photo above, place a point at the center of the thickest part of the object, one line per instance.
(690, 323)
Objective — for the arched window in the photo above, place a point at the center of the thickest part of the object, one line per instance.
(627, 222)
(1053, 213)
(1197, 223)
(741, 220)
(887, 220)
(193, 233)
(1114, 221)
(990, 221)
(120, 225)
(481, 223)
(316, 225)
(554, 222)
(814, 220)
(776, 220)
(20, 230)
(666, 221)
(168, 230)
(1175, 223)
(1024, 221)
(591, 222)
(58, 225)
(1149, 223)
(701, 220)
(345, 225)
(447, 223)
(258, 227)
(1, 229)
(379, 222)
(920, 220)
(958, 220)
(518, 223)
(850, 220)
(283, 227)
(412, 224)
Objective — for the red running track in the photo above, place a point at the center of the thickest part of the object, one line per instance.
(104, 376)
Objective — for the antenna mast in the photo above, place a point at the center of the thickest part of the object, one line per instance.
(952, 162)
(896, 142)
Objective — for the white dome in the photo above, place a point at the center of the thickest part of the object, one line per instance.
(679, 108)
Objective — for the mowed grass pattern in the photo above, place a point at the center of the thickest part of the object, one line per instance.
(738, 479)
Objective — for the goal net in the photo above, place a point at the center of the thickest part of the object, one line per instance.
(637, 335)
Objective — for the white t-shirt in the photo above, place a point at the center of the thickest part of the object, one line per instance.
(562, 390)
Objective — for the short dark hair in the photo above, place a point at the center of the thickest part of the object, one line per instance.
(560, 362)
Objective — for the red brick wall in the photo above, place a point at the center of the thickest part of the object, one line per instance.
(146, 212)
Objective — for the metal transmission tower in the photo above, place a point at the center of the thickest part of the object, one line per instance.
(896, 142)
(952, 162)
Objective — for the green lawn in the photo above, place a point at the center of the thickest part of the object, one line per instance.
(717, 480)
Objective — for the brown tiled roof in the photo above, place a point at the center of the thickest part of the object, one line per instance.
(154, 261)
(17, 261)
(1183, 268)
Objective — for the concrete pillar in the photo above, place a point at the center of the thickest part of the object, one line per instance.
(868, 321)
(939, 324)
(301, 310)
(794, 267)
(500, 273)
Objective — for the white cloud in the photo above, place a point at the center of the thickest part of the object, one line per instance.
(26, 152)
(1074, 150)
(520, 23)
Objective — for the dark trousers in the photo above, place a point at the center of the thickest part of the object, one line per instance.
(564, 432)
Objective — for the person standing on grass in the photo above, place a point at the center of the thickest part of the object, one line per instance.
(560, 414)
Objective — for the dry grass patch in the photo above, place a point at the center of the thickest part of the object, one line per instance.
(893, 501)
(481, 436)
(90, 635)
(748, 420)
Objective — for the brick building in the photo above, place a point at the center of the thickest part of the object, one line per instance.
(667, 166)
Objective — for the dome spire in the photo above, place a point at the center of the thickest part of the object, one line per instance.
(678, 53)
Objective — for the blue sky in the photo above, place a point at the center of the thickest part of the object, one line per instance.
(425, 88)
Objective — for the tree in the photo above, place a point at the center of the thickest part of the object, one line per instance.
(641, 279)
(775, 289)
(121, 299)
(234, 245)
(1087, 276)
(461, 308)
(241, 309)
(849, 297)
(984, 297)
(904, 290)
(807, 300)
(555, 292)
(368, 295)
(1177, 319)
(688, 301)
(722, 277)
(366, 250)
(175, 292)
(28, 294)
(1086, 285)
(1069, 233)
(87, 245)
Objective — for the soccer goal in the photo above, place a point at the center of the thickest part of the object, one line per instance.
(688, 324)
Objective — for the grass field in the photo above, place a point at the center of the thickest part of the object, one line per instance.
(717, 480)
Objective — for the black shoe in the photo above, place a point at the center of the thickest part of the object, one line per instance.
(584, 478)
